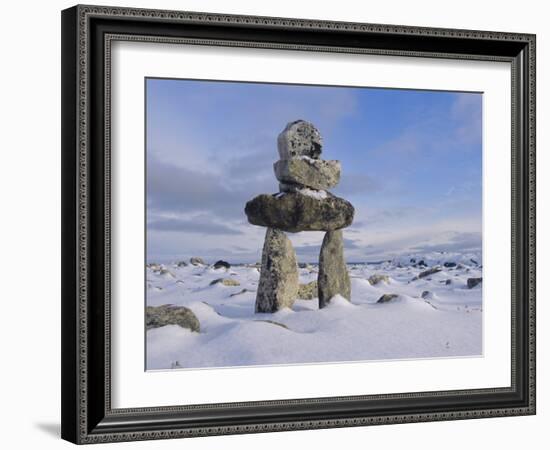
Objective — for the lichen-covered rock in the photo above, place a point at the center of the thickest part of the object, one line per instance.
(308, 291)
(159, 316)
(376, 278)
(296, 212)
(196, 261)
(278, 285)
(313, 173)
(473, 282)
(299, 138)
(333, 275)
(387, 298)
(225, 282)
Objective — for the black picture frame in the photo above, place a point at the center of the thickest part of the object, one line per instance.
(87, 415)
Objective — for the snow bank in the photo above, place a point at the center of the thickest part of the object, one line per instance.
(446, 323)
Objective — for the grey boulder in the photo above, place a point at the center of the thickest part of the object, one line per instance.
(429, 272)
(225, 282)
(278, 285)
(299, 138)
(221, 263)
(313, 173)
(333, 278)
(473, 282)
(308, 291)
(196, 261)
(160, 316)
(377, 278)
(296, 212)
(387, 298)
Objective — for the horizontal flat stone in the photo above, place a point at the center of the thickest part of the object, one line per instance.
(313, 173)
(294, 212)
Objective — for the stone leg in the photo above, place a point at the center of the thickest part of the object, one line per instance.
(278, 286)
(333, 274)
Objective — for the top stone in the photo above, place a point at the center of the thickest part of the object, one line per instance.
(299, 138)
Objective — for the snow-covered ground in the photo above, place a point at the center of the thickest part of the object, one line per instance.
(446, 321)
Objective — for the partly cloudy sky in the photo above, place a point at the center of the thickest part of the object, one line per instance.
(411, 166)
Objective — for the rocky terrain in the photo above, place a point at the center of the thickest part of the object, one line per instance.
(414, 306)
(279, 311)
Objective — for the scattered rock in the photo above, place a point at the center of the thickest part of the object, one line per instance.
(159, 316)
(296, 212)
(181, 264)
(428, 295)
(333, 278)
(225, 282)
(313, 173)
(278, 286)
(304, 265)
(308, 291)
(272, 322)
(448, 281)
(429, 272)
(422, 263)
(473, 261)
(387, 298)
(299, 138)
(376, 278)
(196, 261)
(473, 282)
(166, 272)
(242, 291)
(449, 264)
(221, 263)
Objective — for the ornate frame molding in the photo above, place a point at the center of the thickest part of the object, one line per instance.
(80, 423)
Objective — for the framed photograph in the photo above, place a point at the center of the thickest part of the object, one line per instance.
(278, 224)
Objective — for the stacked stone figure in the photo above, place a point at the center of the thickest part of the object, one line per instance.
(303, 204)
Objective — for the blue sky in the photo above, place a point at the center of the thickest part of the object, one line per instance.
(411, 166)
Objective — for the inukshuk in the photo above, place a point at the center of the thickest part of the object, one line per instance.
(303, 204)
